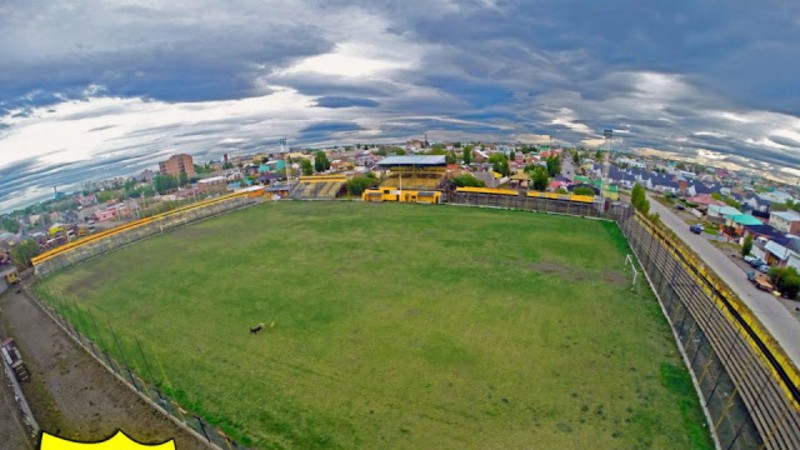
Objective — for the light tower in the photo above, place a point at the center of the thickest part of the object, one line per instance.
(287, 161)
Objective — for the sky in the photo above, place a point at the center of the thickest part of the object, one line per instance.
(95, 89)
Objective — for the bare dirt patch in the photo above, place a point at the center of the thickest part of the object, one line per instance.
(554, 268)
(72, 395)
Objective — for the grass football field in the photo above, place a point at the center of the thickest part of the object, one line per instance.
(396, 326)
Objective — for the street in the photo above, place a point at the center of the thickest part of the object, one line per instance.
(771, 312)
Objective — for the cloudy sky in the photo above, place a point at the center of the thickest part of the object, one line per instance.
(92, 89)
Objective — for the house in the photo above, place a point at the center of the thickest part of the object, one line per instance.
(723, 212)
(104, 214)
(757, 203)
(738, 222)
(488, 177)
(705, 200)
(786, 254)
(87, 200)
(786, 221)
(760, 231)
(479, 156)
(213, 185)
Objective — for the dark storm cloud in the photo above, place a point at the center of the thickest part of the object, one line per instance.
(677, 75)
(346, 102)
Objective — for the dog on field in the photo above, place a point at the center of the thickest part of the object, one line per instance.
(257, 328)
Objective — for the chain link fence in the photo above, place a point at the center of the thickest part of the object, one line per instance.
(748, 407)
(132, 362)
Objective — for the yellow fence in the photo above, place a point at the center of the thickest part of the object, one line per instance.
(757, 336)
(74, 245)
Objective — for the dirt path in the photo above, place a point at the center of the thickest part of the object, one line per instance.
(72, 395)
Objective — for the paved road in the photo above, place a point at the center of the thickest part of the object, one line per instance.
(774, 315)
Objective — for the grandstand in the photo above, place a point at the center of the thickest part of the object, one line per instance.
(414, 172)
(318, 187)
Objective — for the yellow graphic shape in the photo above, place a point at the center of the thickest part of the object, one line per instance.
(117, 442)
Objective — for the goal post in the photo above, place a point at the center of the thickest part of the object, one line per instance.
(629, 261)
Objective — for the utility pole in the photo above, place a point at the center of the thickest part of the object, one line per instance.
(608, 136)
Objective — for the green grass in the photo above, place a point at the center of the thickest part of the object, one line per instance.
(396, 326)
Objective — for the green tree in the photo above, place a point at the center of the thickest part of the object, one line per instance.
(716, 196)
(512, 156)
(467, 155)
(540, 178)
(105, 196)
(639, 199)
(467, 180)
(306, 167)
(747, 246)
(162, 184)
(786, 280)
(358, 184)
(183, 179)
(553, 165)
(499, 163)
(450, 158)
(22, 253)
(457, 145)
(400, 151)
(437, 149)
(583, 190)
(321, 163)
(10, 225)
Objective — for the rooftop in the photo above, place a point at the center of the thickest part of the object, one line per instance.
(789, 216)
(415, 160)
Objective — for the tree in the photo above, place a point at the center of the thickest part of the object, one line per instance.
(306, 167)
(450, 158)
(716, 196)
(457, 145)
(553, 165)
(786, 280)
(183, 179)
(747, 246)
(358, 184)
(105, 196)
(499, 164)
(321, 163)
(400, 151)
(540, 179)
(467, 155)
(512, 156)
(437, 149)
(467, 180)
(583, 190)
(162, 184)
(10, 225)
(639, 199)
(22, 253)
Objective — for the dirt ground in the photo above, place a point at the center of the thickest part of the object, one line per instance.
(71, 394)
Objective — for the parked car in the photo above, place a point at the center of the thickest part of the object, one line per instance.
(750, 258)
(757, 262)
(763, 268)
(697, 228)
(679, 207)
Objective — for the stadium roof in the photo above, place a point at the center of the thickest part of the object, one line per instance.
(416, 160)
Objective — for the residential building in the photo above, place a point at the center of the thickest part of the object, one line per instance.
(786, 221)
(213, 185)
(177, 164)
